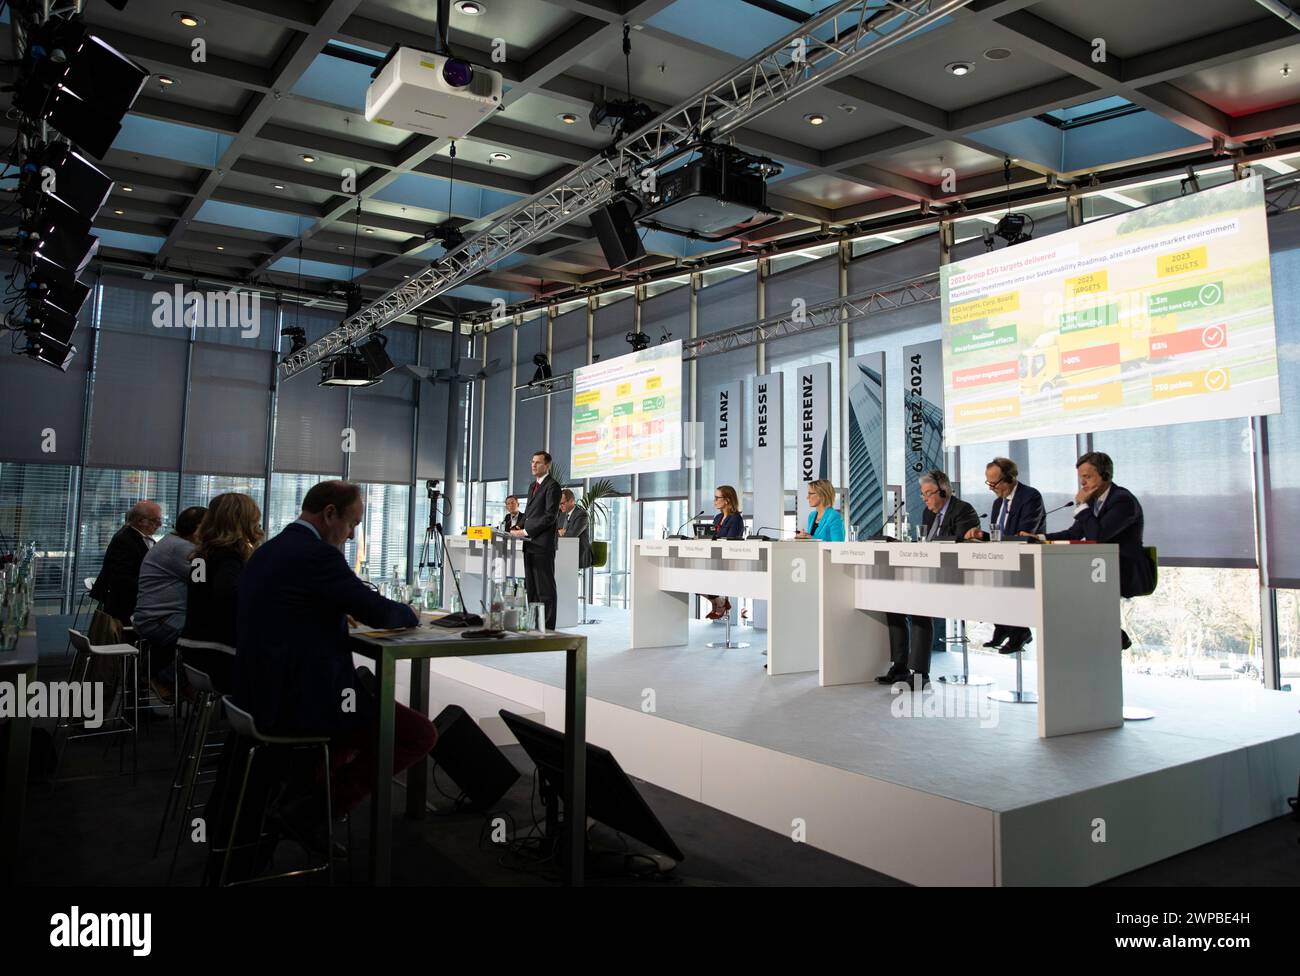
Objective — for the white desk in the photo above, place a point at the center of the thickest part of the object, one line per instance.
(665, 574)
(507, 560)
(1068, 593)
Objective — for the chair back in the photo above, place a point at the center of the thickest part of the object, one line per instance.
(200, 681)
(240, 720)
(79, 641)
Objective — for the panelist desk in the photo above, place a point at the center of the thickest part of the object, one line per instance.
(1068, 593)
(466, 557)
(666, 572)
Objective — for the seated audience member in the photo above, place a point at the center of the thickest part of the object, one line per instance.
(227, 536)
(824, 522)
(163, 592)
(119, 577)
(574, 522)
(1017, 508)
(728, 523)
(514, 518)
(294, 670)
(1107, 512)
(946, 518)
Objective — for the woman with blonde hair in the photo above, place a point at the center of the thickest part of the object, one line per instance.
(727, 524)
(227, 536)
(824, 522)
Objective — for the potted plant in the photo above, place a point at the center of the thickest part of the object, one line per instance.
(597, 511)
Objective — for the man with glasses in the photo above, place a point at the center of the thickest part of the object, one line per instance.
(1017, 508)
(946, 519)
(118, 581)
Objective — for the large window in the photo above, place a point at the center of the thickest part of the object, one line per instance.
(616, 529)
(36, 501)
(107, 495)
(383, 532)
(287, 493)
(200, 489)
(1288, 638)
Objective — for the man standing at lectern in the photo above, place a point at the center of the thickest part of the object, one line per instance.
(538, 533)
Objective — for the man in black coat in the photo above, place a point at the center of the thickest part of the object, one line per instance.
(947, 518)
(538, 533)
(118, 581)
(293, 664)
(1017, 508)
(1107, 512)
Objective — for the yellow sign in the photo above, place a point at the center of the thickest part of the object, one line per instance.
(1191, 259)
(1088, 397)
(590, 396)
(987, 410)
(1086, 284)
(654, 382)
(479, 532)
(982, 308)
(623, 389)
(584, 459)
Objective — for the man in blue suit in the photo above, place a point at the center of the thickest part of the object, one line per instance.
(293, 664)
(1017, 508)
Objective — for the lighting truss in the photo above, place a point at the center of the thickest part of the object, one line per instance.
(829, 45)
(853, 308)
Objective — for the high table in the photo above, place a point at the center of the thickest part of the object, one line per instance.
(20, 661)
(1069, 593)
(420, 644)
(466, 556)
(665, 572)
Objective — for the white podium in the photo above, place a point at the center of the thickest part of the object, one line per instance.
(666, 572)
(1068, 593)
(505, 560)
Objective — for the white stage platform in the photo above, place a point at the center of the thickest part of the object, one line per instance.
(928, 799)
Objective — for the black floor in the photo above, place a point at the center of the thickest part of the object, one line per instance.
(95, 827)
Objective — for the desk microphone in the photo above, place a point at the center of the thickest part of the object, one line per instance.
(880, 536)
(760, 537)
(678, 533)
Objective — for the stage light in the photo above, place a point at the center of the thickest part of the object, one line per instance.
(347, 369)
(376, 356)
(94, 93)
(543, 365)
(52, 353)
(638, 341)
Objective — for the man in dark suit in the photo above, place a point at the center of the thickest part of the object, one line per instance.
(574, 523)
(118, 581)
(293, 665)
(514, 518)
(946, 519)
(1017, 508)
(1107, 512)
(538, 533)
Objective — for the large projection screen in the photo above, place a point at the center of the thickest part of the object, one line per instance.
(1159, 316)
(627, 414)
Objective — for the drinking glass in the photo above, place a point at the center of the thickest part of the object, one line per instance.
(995, 535)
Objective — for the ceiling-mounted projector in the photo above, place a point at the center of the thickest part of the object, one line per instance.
(433, 94)
(721, 193)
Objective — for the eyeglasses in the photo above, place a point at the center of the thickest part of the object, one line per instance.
(994, 484)
(930, 494)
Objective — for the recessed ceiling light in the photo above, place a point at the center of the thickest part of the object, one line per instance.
(188, 19)
(128, 189)
(997, 54)
(500, 157)
(165, 80)
(471, 8)
(568, 118)
(221, 247)
(369, 230)
(308, 158)
(277, 186)
(814, 119)
(120, 213)
(959, 68)
(340, 247)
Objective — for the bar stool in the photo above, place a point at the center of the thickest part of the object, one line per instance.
(189, 767)
(129, 657)
(587, 576)
(965, 678)
(1019, 696)
(242, 723)
(727, 642)
(89, 583)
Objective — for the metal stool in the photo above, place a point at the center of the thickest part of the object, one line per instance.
(727, 642)
(965, 678)
(1019, 696)
(127, 654)
(587, 574)
(189, 767)
(89, 583)
(242, 723)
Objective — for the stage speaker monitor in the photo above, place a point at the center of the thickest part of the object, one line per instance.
(477, 766)
(617, 233)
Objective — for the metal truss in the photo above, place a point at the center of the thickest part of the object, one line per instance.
(829, 45)
(798, 321)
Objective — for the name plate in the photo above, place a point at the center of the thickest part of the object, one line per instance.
(990, 557)
(696, 550)
(654, 547)
(853, 555)
(927, 556)
(742, 550)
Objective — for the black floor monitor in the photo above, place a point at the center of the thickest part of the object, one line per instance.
(612, 798)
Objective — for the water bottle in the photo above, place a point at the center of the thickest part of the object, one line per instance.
(853, 533)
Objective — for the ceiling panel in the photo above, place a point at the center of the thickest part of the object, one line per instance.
(1249, 85)
(1132, 27)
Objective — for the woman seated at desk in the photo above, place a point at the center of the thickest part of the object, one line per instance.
(824, 522)
(727, 524)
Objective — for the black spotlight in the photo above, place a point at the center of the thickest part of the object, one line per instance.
(638, 341)
(59, 171)
(352, 298)
(347, 369)
(53, 282)
(373, 352)
(543, 371)
(297, 337)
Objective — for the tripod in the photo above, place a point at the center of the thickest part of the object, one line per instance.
(432, 539)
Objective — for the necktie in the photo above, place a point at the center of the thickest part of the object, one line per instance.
(934, 527)
(532, 488)
(1002, 517)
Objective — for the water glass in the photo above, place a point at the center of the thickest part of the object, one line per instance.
(853, 533)
(995, 535)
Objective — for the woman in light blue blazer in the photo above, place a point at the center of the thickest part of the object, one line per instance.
(824, 523)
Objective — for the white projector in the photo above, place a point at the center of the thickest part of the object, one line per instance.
(432, 94)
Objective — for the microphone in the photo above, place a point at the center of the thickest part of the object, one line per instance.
(758, 536)
(880, 536)
(1042, 525)
(678, 533)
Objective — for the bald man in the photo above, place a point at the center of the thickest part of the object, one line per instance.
(118, 581)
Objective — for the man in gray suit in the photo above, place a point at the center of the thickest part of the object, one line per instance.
(574, 522)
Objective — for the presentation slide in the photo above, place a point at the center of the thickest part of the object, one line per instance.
(1159, 316)
(627, 414)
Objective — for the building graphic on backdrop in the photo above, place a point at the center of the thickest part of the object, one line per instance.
(866, 502)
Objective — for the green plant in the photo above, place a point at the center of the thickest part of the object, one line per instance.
(594, 500)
